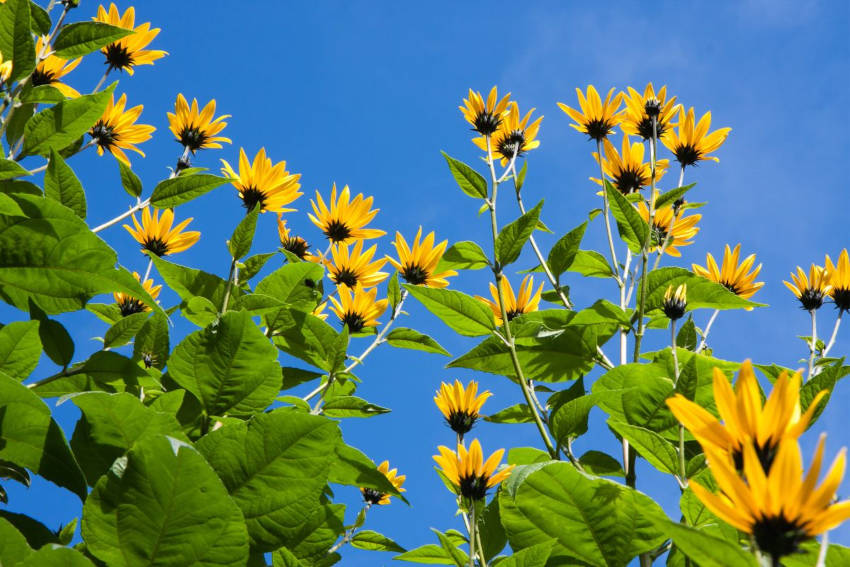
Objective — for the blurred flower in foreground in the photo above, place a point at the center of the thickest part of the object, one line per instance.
(129, 305)
(526, 301)
(372, 496)
(627, 170)
(514, 137)
(460, 406)
(734, 276)
(128, 51)
(839, 280)
(358, 308)
(637, 120)
(811, 290)
(418, 264)
(468, 470)
(195, 129)
(344, 220)
(117, 130)
(156, 235)
(690, 143)
(485, 117)
(350, 268)
(596, 119)
(260, 182)
(51, 69)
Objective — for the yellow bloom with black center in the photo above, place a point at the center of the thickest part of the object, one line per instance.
(691, 142)
(355, 266)
(292, 242)
(196, 129)
(745, 419)
(345, 219)
(780, 508)
(514, 136)
(358, 308)
(418, 264)
(129, 305)
(372, 496)
(156, 234)
(626, 169)
(597, 119)
(810, 290)
(264, 184)
(734, 275)
(5, 69)
(117, 130)
(460, 406)
(485, 116)
(637, 120)
(671, 226)
(50, 70)
(525, 301)
(468, 470)
(128, 51)
(838, 275)
(675, 302)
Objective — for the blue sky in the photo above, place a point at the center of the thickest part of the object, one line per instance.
(366, 94)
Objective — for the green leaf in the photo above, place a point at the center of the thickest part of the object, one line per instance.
(56, 557)
(631, 226)
(167, 508)
(469, 181)
(464, 255)
(230, 367)
(10, 169)
(534, 556)
(152, 341)
(517, 413)
(200, 311)
(103, 371)
(351, 406)
(39, 19)
(429, 554)
(650, 445)
(20, 349)
(402, 337)
(459, 558)
(81, 38)
(243, 236)
(702, 293)
(124, 330)
(826, 380)
(393, 291)
(317, 534)
(707, 550)
(13, 545)
(30, 438)
(637, 393)
(106, 312)
(16, 42)
(42, 93)
(570, 419)
(179, 190)
(129, 180)
(307, 337)
(592, 264)
(462, 313)
(687, 336)
(512, 237)
(352, 468)
(56, 340)
(189, 282)
(294, 285)
(62, 185)
(671, 196)
(275, 467)
(563, 253)
(527, 456)
(18, 120)
(601, 464)
(373, 541)
(252, 266)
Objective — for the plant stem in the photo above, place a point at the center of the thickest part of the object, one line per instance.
(137, 207)
(473, 532)
(350, 533)
(667, 238)
(814, 342)
(231, 281)
(148, 270)
(605, 209)
(833, 336)
(824, 547)
(683, 481)
(102, 80)
(707, 330)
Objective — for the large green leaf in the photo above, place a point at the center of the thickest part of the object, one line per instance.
(20, 349)
(16, 42)
(429, 554)
(636, 394)
(152, 343)
(104, 371)
(631, 226)
(123, 331)
(293, 285)
(402, 337)
(81, 38)
(309, 338)
(189, 282)
(469, 180)
(513, 236)
(316, 534)
(705, 549)
(563, 253)
(62, 185)
(13, 545)
(534, 556)
(10, 169)
(650, 445)
(56, 557)
(702, 293)
(464, 255)
(464, 314)
(168, 508)
(243, 236)
(182, 189)
(230, 367)
(352, 468)
(373, 541)
(591, 263)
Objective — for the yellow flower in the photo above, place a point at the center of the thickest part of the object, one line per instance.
(372, 496)
(318, 311)
(811, 290)
(485, 117)
(734, 276)
(669, 224)
(345, 219)
(839, 280)
(197, 130)
(627, 170)
(5, 69)
(51, 69)
(358, 309)
(117, 130)
(468, 470)
(156, 235)
(780, 508)
(745, 419)
(128, 51)
(261, 182)
(675, 302)
(636, 120)
(291, 242)
(460, 406)
(129, 305)
(514, 137)
(418, 264)
(515, 305)
(690, 143)
(355, 267)
(596, 119)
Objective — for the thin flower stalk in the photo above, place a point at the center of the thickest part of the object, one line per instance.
(708, 325)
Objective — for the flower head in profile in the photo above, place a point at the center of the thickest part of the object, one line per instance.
(372, 496)
(51, 69)
(358, 308)
(262, 183)
(129, 305)
(291, 242)
(525, 301)
(675, 302)
(627, 170)
(736, 276)
(485, 116)
(5, 69)
(117, 130)
(637, 120)
(128, 51)
(469, 472)
(514, 136)
(597, 119)
(811, 290)
(417, 264)
(156, 234)
(671, 226)
(197, 129)
(838, 275)
(460, 406)
(691, 142)
(344, 219)
(352, 266)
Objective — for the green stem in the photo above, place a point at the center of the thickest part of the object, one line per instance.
(473, 533)
(814, 342)
(234, 273)
(833, 336)
(707, 330)
(683, 480)
(349, 535)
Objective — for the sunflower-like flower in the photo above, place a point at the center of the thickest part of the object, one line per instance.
(485, 117)
(780, 508)
(372, 496)
(745, 420)
(515, 305)
(358, 308)
(5, 69)
(117, 130)
(839, 280)
(344, 220)
(196, 129)
(734, 276)
(418, 264)
(352, 267)
(637, 120)
(810, 290)
(468, 470)
(692, 143)
(128, 304)
(51, 69)
(597, 119)
(514, 137)
(291, 242)
(461, 406)
(670, 225)
(627, 170)
(156, 235)
(128, 51)
(260, 182)
(675, 302)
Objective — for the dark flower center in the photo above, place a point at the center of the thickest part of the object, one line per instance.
(644, 128)
(630, 181)
(103, 134)
(811, 299)
(40, 77)
(296, 245)
(251, 196)
(687, 155)
(346, 277)
(193, 138)
(674, 308)
(652, 107)
(473, 487)
(157, 246)
(337, 231)
(148, 359)
(731, 286)
(511, 145)
(118, 57)
(372, 496)
(515, 313)
(461, 422)
(486, 123)
(659, 235)
(777, 536)
(597, 129)
(130, 305)
(415, 274)
(354, 322)
(841, 297)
